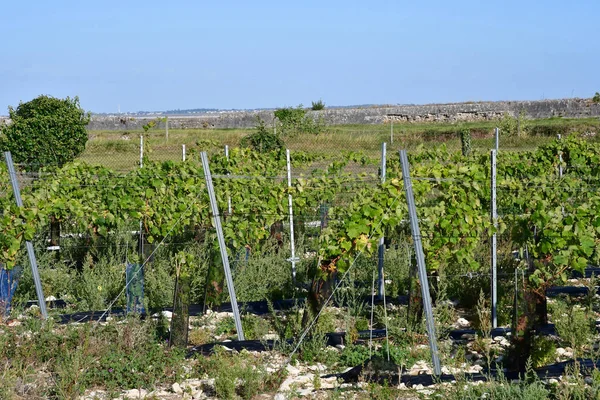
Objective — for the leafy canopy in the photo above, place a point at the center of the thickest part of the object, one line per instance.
(46, 131)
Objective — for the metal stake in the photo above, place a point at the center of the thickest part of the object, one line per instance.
(167, 127)
(293, 257)
(30, 252)
(228, 197)
(141, 151)
(494, 249)
(560, 159)
(381, 247)
(391, 131)
(183, 152)
(497, 134)
(217, 221)
(416, 234)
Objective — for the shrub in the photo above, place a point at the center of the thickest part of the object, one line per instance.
(263, 140)
(596, 98)
(514, 126)
(293, 121)
(318, 105)
(465, 141)
(46, 131)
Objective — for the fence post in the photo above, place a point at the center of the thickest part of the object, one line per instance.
(183, 152)
(141, 151)
(560, 159)
(293, 257)
(497, 137)
(30, 252)
(167, 127)
(391, 131)
(416, 234)
(228, 197)
(494, 249)
(381, 248)
(217, 221)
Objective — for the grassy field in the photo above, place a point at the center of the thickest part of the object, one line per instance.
(120, 149)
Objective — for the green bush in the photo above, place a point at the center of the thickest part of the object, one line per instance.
(465, 141)
(46, 131)
(318, 105)
(263, 140)
(596, 98)
(514, 126)
(293, 121)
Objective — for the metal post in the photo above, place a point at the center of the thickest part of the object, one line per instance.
(392, 131)
(497, 135)
(560, 159)
(228, 197)
(167, 127)
(293, 257)
(141, 151)
(416, 234)
(494, 249)
(381, 248)
(30, 252)
(183, 152)
(217, 221)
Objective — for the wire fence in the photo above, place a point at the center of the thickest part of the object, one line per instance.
(90, 272)
(121, 150)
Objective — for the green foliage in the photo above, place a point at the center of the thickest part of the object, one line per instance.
(236, 375)
(45, 131)
(293, 121)
(514, 126)
(318, 105)
(543, 352)
(596, 98)
(263, 140)
(465, 141)
(116, 356)
(574, 325)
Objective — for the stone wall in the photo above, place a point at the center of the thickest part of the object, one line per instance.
(481, 111)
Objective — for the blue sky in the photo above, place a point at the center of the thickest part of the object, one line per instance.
(151, 55)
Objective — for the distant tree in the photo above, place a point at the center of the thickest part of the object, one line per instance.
(294, 120)
(45, 131)
(596, 98)
(263, 140)
(318, 105)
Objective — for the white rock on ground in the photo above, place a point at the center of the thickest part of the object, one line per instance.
(176, 388)
(462, 323)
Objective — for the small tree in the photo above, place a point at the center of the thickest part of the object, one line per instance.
(46, 131)
(263, 140)
(293, 121)
(596, 98)
(318, 105)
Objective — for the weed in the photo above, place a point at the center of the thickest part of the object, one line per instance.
(254, 326)
(225, 326)
(574, 325)
(543, 351)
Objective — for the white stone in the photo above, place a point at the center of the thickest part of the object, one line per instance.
(135, 394)
(291, 370)
(463, 323)
(560, 351)
(176, 388)
(280, 396)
